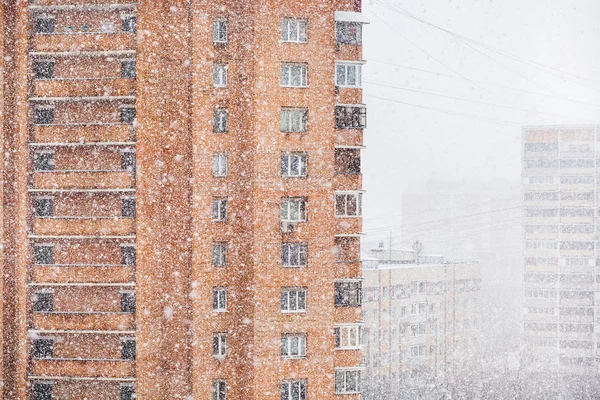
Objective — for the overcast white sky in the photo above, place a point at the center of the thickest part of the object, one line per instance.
(406, 143)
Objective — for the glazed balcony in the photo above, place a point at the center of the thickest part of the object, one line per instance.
(74, 226)
(83, 133)
(83, 180)
(109, 368)
(78, 42)
(76, 273)
(78, 87)
(77, 321)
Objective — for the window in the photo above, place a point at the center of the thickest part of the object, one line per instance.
(293, 164)
(420, 329)
(418, 351)
(219, 390)
(220, 31)
(347, 381)
(44, 69)
(43, 161)
(293, 346)
(128, 304)
(129, 23)
(347, 293)
(128, 255)
(294, 75)
(347, 161)
(220, 75)
(348, 32)
(44, 115)
(128, 349)
(127, 391)
(351, 117)
(348, 74)
(220, 165)
(43, 254)
(293, 209)
(347, 337)
(44, 206)
(293, 390)
(43, 302)
(128, 160)
(128, 115)
(219, 346)
(294, 119)
(294, 254)
(294, 30)
(219, 210)
(348, 204)
(41, 391)
(293, 300)
(128, 207)
(220, 120)
(43, 348)
(220, 299)
(128, 69)
(219, 254)
(44, 24)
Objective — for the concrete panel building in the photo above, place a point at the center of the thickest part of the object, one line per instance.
(181, 199)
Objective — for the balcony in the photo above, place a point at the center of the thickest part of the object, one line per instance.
(83, 133)
(83, 87)
(83, 273)
(348, 225)
(83, 180)
(74, 226)
(75, 43)
(108, 321)
(84, 368)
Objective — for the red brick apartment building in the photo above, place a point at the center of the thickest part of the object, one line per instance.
(181, 199)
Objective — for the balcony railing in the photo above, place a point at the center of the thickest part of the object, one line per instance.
(83, 180)
(93, 87)
(84, 226)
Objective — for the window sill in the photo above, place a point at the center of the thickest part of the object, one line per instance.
(348, 87)
(219, 311)
(294, 312)
(293, 357)
(348, 348)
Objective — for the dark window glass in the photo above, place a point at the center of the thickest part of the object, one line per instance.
(350, 117)
(43, 302)
(349, 32)
(44, 25)
(127, 392)
(128, 208)
(128, 349)
(44, 116)
(43, 348)
(43, 161)
(128, 256)
(219, 390)
(43, 255)
(220, 120)
(41, 391)
(129, 24)
(128, 69)
(347, 294)
(128, 302)
(44, 69)
(128, 115)
(44, 207)
(128, 161)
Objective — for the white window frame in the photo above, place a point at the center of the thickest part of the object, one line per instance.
(221, 248)
(294, 75)
(220, 30)
(220, 298)
(349, 336)
(221, 120)
(293, 346)
(221, 341)
(293, 205)
(220, 165)
(220, 75)
(294, 254)
(215, 393)
(358, 201)
(286, 386)
(287, 161)
(219, 210)
(294, 28)
(294, 119)
(345, 372)
(346, 65)
(293, 302)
